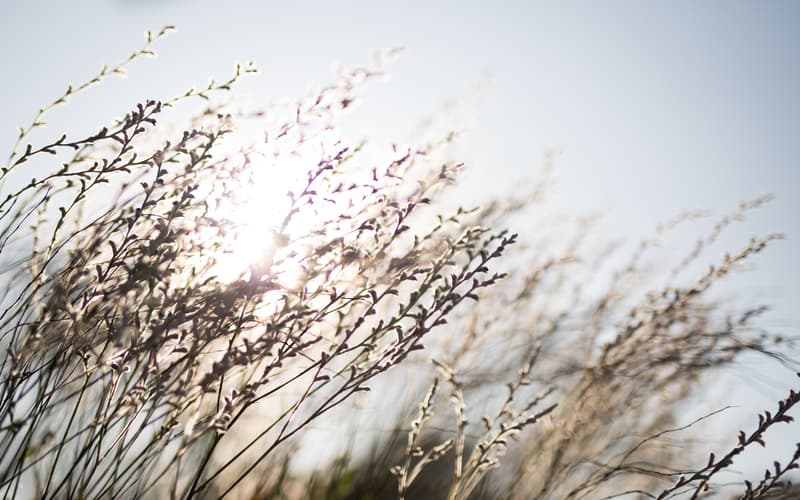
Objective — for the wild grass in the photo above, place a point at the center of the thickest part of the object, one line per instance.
(137, 364)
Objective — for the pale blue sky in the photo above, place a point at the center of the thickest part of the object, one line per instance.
(694, 104)
(655, 107)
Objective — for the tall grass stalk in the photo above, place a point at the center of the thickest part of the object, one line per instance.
(160, 341)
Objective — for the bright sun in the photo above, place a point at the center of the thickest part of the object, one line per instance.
(255, 208)
(255, 202)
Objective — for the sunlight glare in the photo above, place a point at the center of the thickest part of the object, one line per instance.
(257, 203)
(255, 208)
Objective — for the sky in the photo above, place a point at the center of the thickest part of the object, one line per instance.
(652, 108)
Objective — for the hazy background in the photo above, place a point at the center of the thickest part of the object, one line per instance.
(652, 108)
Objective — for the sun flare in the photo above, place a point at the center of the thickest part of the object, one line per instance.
(256, 205)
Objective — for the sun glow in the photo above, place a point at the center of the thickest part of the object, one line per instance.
(253, 208)
(253, 203)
